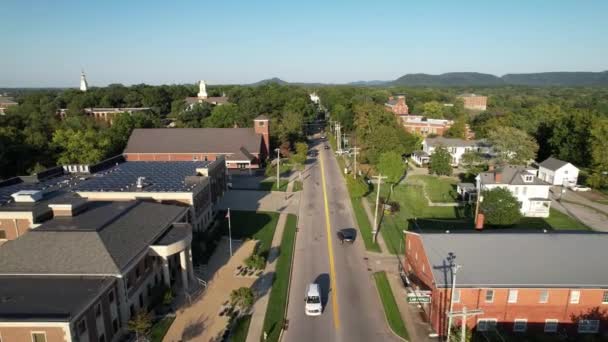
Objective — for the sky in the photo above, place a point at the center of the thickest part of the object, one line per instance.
(47, 43)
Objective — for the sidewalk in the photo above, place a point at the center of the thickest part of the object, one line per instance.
(256, 327)
(370, 216)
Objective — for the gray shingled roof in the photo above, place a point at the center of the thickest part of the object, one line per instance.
(512, 175)
(56, 299)
(553, 163)
(193, 140)
(452, 142)
(555, 259)
(100, 241)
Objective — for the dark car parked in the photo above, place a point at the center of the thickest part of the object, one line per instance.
(347, 235)
(326, 147)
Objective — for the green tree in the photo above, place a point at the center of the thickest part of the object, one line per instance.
(80, 147)
(458, 129)
(242, 297)
(301, 151)
(140, 324)
(392, 166)
(441, 162)
(473, 162)
(500, 207)
(599, 153)
(224, 116)
(433, 109)
(513, 146)
(356, 187)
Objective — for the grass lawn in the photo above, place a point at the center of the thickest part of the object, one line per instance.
(390, 305)
(297, 186)
(275, 313)
(252, 225)
(159, 330)
(271, 185)
(439, 189)
(365, 227)
(241, 329)
(556, 220)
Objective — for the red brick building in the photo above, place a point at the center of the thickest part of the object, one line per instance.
(474, 101)
(397, 105)
(103, 114)
(243, 148)
(523, 282)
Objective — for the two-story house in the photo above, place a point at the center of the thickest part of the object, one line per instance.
(456, 147)
(530, 191)
(521, 282)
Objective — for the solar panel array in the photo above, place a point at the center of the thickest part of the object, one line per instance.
(65, 181)
(159, 176)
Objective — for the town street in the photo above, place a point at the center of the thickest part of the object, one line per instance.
(352, 308)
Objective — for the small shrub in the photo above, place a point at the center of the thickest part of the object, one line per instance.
(242, 297)
(255, 261)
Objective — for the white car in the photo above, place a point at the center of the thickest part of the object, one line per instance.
(579, 188)
(313, 305)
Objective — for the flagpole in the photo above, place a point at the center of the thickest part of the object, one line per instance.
(229, 232)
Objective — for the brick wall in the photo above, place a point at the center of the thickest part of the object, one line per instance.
(14, 228)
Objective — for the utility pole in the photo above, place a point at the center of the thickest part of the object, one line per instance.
(355, 152)
(379, 177)
(464, 314)
(454, 268)
(344, 139)
(278, 173)
(477, 200)
(338, 137)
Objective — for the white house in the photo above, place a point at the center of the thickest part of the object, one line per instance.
(456, 148)
(558, 172)
(530, 191)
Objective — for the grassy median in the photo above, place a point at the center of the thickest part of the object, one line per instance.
(390, 305)
(277, 303)
(241, 328)
(159, 330)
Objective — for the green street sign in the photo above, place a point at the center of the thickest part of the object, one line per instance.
(417, 300)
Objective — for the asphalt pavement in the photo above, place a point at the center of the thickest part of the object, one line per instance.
(352, 308)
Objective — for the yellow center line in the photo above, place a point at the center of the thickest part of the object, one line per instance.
(332, 271)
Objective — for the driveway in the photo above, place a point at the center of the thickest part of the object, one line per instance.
(594, 215)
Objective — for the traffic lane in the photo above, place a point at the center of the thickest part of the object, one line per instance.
(365, 319)
(310, 264)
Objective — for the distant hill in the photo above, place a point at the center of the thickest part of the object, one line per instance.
(448, 79)
(275, 80)
(368, 83)
(558, 79)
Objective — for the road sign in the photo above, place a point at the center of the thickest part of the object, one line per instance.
(412, 299)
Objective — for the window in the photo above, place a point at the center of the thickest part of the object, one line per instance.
(137, 273)
(102, 338)
(489, 296)
(512, 296)
(416, 256)
(544, 296)
(588, 326)
(2, 234)
(141, 300)
(551, 325)
(111, 296)
(528, 178)
(524, 190)
(515, 190)
(486, 324)
(82, 326)
(38, 337)
(605, 298)
(98, 310)
(423, 268)
(520, 325)
(456, 298)
(115, 325)
(575, 297)
(147, 263)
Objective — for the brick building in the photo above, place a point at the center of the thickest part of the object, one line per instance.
(82, 275)
(103, 114)
(424, 126)
(474, 101)
(242, 148)
(6, 102)
(553, 282)
(198, 185)
(397, 105)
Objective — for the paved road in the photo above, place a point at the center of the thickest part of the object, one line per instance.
(352, 309)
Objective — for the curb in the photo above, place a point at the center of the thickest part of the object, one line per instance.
(293, 253)
(382, 307)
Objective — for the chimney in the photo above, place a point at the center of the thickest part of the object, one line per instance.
(68, 206)
(261, 127)
(498, 176)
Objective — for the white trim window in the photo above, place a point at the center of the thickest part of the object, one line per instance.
(575, 296)
(489, 296)
(605, 297)
(544, 296)
(486, 324)
(551, 325)
(38, 336)
(520, 325)
(588, 326)
(512, 296)
(456, 298)
(81, 326)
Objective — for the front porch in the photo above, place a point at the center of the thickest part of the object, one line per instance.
(173, 248)
(538, 207)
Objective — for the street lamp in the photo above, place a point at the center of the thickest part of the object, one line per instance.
(278, 162)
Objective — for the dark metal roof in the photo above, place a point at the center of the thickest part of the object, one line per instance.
(193, 140)
(178, 232)
(163, 176)
(447, 142)
(553, 259)
(49, 298)
(100, 241)
(553, 163)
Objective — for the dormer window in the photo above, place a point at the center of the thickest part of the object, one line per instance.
(528, 178)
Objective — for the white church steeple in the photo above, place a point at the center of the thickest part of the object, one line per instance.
(202, 90)
(83, 82)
